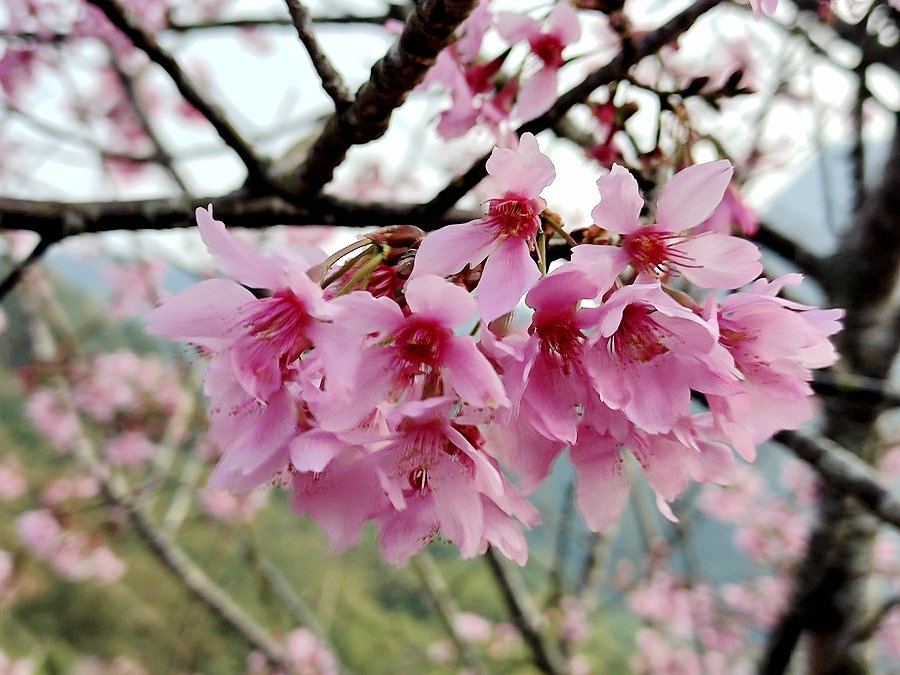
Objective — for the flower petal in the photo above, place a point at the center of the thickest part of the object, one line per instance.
(436, 298)
(203, 314)
(692, 195)
(451, 248)
(620, 201)
(524, 170)
(725, 262)
(237, 259)
(509, 273)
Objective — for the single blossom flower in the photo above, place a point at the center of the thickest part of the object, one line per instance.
(538, 91)
(649, 353)
(709, 259)
(396, 353)
(504, 238)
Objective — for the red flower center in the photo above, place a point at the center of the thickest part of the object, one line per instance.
(639, 338)
(280, 325)
(419, 347)
(560, 338)
(514, 216)
(548, 49)
(654, 250)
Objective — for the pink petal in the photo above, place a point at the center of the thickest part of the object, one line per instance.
(451, 248)
(509, 273)
(436, 298)
(203, 314)
(725, 262)
(601, 489)
(524, 170)
(692, 195)
(620, 202)
(458, 507)
(237, 259)
(537, 94)
(516, 27)
(405, 533)
(563, 23)
(471, 375)
(361, 314)
(504, 533)
(314, 450)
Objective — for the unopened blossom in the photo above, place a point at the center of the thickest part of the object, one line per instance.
(709, 260)
(504, 238)
(538, 91)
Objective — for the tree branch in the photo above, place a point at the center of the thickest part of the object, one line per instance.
(332, 82)
(15, 275)
(844, 471)
(525, 617)
(439, 593)
(427, 31)
(125, 22)
(58, 220)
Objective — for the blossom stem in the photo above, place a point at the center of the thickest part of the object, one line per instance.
(361, 278)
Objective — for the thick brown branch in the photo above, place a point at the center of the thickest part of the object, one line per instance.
(427, 31)
(58, 220)
(147, 43)
(615, 70)
(332, 82)
(843, 470)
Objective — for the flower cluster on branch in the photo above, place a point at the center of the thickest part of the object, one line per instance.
(376, 387)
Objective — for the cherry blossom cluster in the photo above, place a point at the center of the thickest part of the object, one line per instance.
(74, 555)
(131, 396)
(376, 386)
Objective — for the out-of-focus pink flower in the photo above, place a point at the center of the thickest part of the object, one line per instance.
(12, 481)
(538, 91)
(473, 628)
(227, 507)
(732, 212)
(761, 7)
(504, 238)
(131, 448)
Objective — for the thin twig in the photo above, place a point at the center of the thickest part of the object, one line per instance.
(525, 617)
(15, 275)
(332, 82)
(161, 154)
(125, 22)
(439, 593)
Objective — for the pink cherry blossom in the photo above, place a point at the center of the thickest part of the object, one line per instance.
(774, 343)
(650, 353)
(538, 91)
(709, 260)
(395, 353)
(504, 238)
